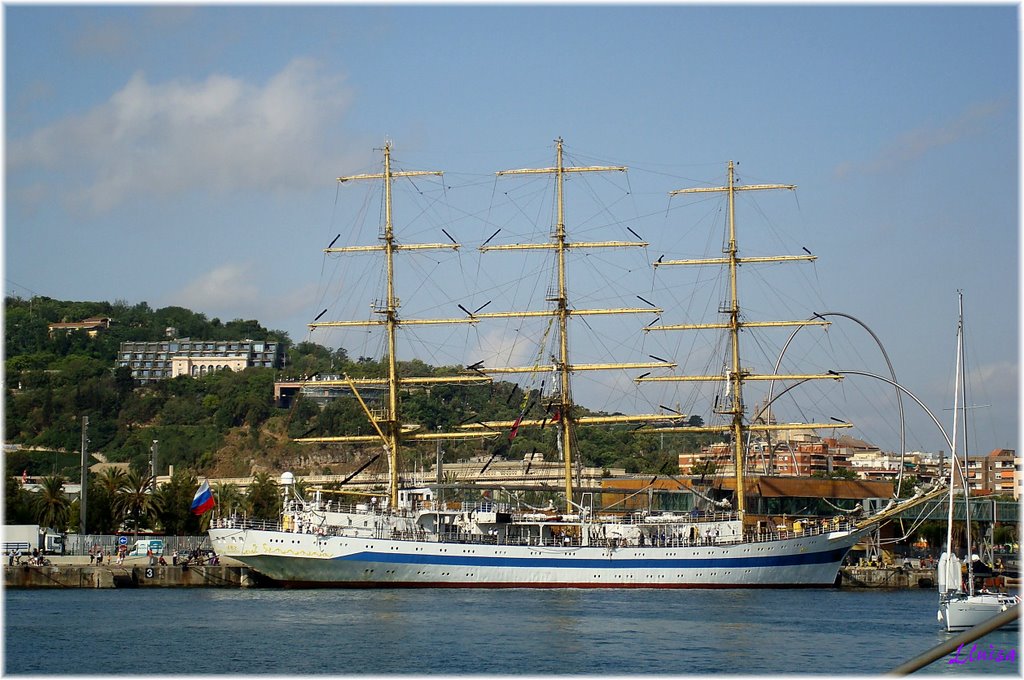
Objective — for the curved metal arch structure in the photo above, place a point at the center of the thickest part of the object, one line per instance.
(892, 372)
(901, 388)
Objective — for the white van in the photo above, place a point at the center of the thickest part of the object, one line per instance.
(144, 545)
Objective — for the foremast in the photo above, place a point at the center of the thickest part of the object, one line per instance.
(735, 409)
(389, 426)
(561, 312)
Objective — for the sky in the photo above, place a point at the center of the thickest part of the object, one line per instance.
(188, 155)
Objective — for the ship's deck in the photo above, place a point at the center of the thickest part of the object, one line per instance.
(663, 533)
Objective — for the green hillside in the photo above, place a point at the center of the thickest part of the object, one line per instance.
(226, 423)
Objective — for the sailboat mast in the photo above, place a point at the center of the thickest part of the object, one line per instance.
(735, 377)
(559, 243)
(955, 461)
(962, 375)
(390, 311)
(562, 307)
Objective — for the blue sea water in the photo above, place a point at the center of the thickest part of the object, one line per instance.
(476, 632)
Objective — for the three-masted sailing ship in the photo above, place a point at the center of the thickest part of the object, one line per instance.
(413, 540)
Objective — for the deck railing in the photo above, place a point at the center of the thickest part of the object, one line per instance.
(677, 537)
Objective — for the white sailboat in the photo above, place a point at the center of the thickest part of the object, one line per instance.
(416, 541)
(960, 606)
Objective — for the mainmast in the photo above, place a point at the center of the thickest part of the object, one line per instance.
(562, 310)
(389, 427)
(736, 375)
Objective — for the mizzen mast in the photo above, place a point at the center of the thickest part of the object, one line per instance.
(737, 375)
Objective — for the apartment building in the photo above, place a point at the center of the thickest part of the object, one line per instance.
(998, 472)
(793, 453)
(162, 359)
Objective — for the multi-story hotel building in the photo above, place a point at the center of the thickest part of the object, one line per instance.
(158, 360)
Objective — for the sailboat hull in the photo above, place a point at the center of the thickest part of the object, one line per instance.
(960, 611)
(308, 560)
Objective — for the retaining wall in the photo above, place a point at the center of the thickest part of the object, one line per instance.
(78, 576)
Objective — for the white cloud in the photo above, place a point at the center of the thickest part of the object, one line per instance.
(235, 290)
(230, 286)
(107, 38)
(165, 138)
(506, 348)
(914, 144)
(1000, 380)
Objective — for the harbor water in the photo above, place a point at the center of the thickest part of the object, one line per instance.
(474, 632)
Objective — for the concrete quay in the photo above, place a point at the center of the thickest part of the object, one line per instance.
(76, 572)
(886, 577)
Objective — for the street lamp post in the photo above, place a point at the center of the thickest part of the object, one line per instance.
(85, 475)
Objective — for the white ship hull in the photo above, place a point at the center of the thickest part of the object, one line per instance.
(309, 560)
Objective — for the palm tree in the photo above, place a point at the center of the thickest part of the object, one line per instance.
(300, 488)
(103, 491)
(264, 501)
(135, 499)
(17, 502)
(228, 498)
(1005, 533)
(111, 480)
(172, 504)
(53, 509)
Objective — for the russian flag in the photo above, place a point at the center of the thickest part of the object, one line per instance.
(515, 428)
(203, 500)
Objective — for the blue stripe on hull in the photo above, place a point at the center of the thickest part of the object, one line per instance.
(823, 557)
(496, 585)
